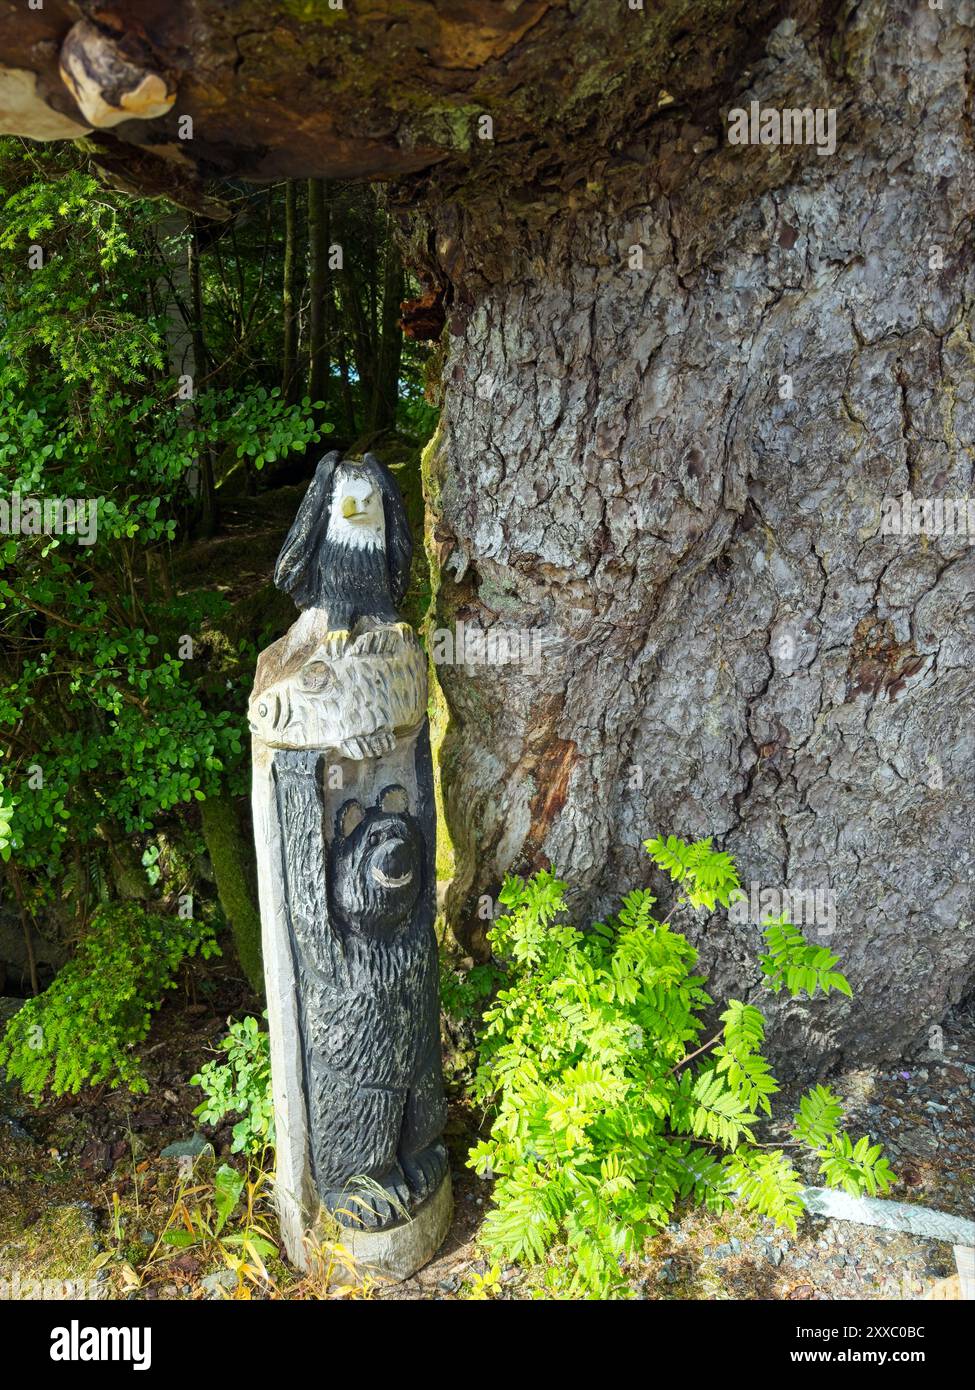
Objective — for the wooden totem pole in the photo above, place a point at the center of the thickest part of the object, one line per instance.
(345, 826)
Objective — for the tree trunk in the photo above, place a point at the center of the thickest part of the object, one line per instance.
(319, 289)
(289, 344)
(729, 645)
(348, 404)
(385, 391)
(207, 485)
(355, 294)
(229, 851)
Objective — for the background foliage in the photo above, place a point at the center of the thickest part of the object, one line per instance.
(83, 1028)
(183, 375)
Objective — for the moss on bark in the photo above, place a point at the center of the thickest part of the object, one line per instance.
(230, 855)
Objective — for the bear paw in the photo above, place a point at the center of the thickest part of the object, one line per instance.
(425, 1171)
(370, 1205)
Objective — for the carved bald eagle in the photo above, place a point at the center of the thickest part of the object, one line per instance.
(349, 549)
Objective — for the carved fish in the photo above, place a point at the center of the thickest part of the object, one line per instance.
(357, 697)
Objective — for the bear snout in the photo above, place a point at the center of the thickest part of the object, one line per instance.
(391, 865)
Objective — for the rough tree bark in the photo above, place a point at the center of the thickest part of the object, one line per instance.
(729, 644)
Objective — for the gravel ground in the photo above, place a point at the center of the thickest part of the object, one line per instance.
(923, 1111)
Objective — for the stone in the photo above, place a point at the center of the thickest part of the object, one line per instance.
(185, 1148)
(9, 1005)
(345, 828)
(219, 1281)
(60, 1246)
(889, 1216)
(49, 955)
(16, 1130)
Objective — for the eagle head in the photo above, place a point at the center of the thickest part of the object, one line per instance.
(351, 507)
(356, 516)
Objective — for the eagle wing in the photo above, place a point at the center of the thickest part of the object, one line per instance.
(296, 572)
(399, 539)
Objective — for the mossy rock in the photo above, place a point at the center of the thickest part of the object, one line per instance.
(62, 1244)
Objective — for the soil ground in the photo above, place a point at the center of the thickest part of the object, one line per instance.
(85, 1192)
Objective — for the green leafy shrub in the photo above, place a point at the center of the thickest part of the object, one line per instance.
(463, 993)
(114, 725)
(6, 814)
(85, 1026)
(607, 1108)
(229, 1215)
(240, 1086)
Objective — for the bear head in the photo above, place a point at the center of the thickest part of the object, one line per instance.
(376, 863)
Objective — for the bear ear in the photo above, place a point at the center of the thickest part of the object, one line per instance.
(350, 815)
(395, 799)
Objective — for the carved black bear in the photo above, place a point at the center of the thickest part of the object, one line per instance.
(371, 1022)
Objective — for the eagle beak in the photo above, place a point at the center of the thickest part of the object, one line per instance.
(349, 508)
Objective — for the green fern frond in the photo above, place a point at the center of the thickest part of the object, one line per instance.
(768, 1183)
(598, 1129)
(858, 1168)
(791, 961)
(708, 876)
(817, 1118)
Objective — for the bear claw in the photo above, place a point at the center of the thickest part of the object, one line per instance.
(369, 745)
(425, 1170)
(360, 1204)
